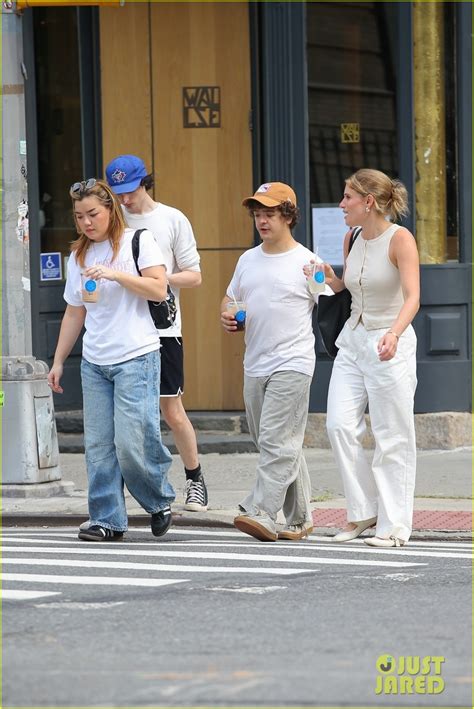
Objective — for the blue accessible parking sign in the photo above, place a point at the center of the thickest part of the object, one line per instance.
(51, 266)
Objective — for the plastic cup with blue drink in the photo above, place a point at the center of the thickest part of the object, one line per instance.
(90, 289)
(317, 281)
(238, 309)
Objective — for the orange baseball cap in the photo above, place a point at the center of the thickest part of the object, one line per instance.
(272, 194)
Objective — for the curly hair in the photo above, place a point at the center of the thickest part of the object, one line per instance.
(147, 182)
(287, 209)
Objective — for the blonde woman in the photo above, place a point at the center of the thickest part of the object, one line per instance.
(120, 368)
(376, 362)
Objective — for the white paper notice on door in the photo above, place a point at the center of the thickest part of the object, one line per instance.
(329, 229)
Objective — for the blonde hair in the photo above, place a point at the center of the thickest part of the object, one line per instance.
(102, 192)
(391, 196)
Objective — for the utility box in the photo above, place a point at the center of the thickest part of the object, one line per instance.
(30, 452)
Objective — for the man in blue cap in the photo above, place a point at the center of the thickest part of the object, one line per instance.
(129, 179)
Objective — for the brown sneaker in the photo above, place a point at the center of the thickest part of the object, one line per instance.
(259, 526)
(295, 532)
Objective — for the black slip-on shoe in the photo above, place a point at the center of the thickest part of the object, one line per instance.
(161, 522)
(96, 533)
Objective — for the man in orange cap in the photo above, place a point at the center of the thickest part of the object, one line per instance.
(278, 364)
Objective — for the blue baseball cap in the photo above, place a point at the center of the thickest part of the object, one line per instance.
(125, 173)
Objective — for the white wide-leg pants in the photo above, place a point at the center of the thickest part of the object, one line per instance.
(384, 489)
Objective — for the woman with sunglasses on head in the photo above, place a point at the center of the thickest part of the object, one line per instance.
(376, 362)
(120, 368)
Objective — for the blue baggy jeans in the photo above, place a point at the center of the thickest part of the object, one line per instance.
(123, 439)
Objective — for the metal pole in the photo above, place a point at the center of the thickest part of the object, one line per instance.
(430, 143)
(16, 305)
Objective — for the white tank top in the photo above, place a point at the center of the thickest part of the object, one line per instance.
(374, 282)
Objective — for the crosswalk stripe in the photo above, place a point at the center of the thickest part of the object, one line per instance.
(129, 565)
(13, 595)
(396, 550)
(440, 544)
(111, 550)
(90, 580)
(344, 548)
(358, 548)
(311, 540)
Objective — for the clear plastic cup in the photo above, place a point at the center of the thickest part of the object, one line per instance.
(90, 289)
(317, 282)
(239, 310)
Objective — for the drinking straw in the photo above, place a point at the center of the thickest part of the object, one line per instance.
(233, 296)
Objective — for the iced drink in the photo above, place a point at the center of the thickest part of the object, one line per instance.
(317, 282)
(90, 290)
(239, 310)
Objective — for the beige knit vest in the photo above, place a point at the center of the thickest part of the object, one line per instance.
(374, 282)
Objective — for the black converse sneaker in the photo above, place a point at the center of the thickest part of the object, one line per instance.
(96, 533)
(196, 495)
(161, 522)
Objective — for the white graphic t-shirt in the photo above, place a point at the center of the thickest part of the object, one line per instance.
(119, 325)
(278, 327)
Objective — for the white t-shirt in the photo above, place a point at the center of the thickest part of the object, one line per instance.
(174, 235)
(278, 327)
(119, 325)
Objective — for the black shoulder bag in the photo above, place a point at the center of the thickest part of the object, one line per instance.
(163, 314)
(334, 310)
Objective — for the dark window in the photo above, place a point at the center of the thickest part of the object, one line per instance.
(59, 122)
(351, 93)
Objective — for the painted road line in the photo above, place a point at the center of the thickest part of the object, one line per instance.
(305, 547)
(130, 565)
(11, 595)
(90, 580)
(111, 550)
(309, 541)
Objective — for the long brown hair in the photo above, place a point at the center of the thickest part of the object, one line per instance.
(102, 192)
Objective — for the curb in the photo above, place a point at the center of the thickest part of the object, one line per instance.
(63, 520)
(72, 520)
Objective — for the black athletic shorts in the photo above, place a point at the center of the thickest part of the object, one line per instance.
(172, 367)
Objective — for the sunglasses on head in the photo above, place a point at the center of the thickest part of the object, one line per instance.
(80, 187)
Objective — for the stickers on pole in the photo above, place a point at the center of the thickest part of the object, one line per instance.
(22, 227)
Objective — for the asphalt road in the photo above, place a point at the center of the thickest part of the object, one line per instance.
(212, 617)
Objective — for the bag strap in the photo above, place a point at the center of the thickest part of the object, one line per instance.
(354, 234)
(136, 248)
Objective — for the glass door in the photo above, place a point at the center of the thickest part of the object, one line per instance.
(58, 124)
(62, 132)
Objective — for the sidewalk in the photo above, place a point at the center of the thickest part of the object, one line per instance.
(443, 494)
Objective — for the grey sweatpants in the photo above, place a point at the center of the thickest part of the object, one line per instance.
(277, 411)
